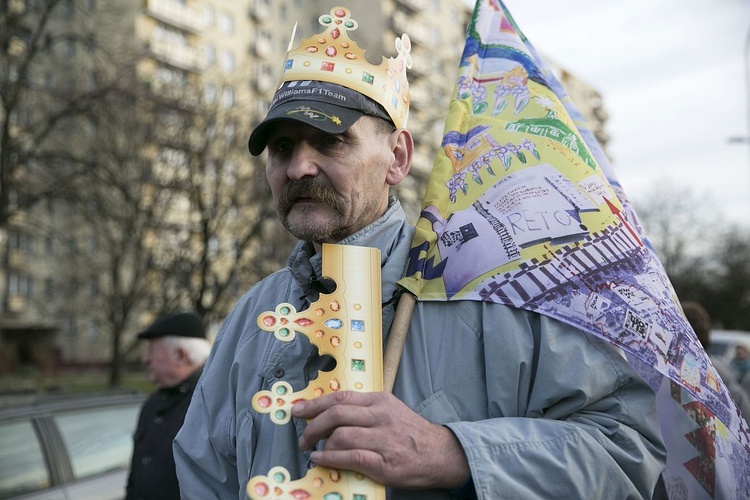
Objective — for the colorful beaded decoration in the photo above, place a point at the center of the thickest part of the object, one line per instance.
(346, 325)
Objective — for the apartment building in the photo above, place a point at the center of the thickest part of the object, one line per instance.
(210, 68)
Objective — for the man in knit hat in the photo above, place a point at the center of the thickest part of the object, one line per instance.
(177, 349)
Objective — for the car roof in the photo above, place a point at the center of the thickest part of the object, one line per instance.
(35, 405)
(730, 335)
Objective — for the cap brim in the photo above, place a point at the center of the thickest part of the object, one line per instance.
(321, 115)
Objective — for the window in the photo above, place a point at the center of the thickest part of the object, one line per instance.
(227, 97)
(210, 54)
(213, 247)
(89, 80)
(90, 43)
(173, 157)
(93, 245)
(22, 467)
(230, 133)
(226, 23)
(13, 72)
(227, 61)
(230, 174)
(209, 93)
(93, 336)
(68, 46)
(20, 284)
(209, 16)
(23, 242)
(50, 245)
(67, 9)
(169, 76)
(98, 441)
(49, 288)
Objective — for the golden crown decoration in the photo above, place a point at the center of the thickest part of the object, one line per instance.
(331, 56)
(345, 324)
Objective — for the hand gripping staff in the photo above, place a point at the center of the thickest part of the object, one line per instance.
(346, 325)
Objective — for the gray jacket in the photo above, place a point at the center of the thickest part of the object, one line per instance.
(541, 409)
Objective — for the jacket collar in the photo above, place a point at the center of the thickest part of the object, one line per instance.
(391, 234)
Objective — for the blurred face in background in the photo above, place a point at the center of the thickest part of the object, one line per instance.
(165, 363)
(742, 353)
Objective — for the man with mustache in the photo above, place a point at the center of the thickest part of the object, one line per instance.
(489, 401)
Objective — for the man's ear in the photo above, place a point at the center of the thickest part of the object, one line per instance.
(402, 146)
(182, 354)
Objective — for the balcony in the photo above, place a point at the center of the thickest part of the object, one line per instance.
(418, 31)
(16, 7)
(420, 97)
(17, 260)
(260, 11)
(262, 48)
(185, 94)
(181, 56)
(176, 14)
(16, 304)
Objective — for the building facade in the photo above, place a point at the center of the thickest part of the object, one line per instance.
(202, 73)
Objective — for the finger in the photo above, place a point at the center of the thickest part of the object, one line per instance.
(325, 424)
(354, 438)
(314, 407)
(366, 462)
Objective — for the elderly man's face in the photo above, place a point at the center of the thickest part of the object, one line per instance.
(742, 352)
(325, 186)
(165, 363)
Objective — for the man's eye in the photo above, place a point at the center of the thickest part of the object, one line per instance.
(282, 146)
(332, 140)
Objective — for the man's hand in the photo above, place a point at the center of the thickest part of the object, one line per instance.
(378, 435)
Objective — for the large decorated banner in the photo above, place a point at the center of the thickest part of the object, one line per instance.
(523, 209)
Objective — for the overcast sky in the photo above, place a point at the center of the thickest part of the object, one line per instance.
(673, 77)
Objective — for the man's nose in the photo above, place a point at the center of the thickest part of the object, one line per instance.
(304, 162)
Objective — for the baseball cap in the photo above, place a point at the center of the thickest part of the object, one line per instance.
(183, 324)
(326, 106)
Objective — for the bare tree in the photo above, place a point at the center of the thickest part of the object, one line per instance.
(182, 214)
(43, 91)
(230, 239)
(707, 260)
(681, 231)
(728, 299)
(55, 76)
(163, 208)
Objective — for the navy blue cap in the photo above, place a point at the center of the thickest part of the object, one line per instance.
(178, 324)
(326, 106)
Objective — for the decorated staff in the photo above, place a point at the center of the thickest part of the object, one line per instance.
(490, 400)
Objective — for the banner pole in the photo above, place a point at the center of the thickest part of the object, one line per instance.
(396, 338)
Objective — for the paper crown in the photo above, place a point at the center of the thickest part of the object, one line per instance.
(332, 56)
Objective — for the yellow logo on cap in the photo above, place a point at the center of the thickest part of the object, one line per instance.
(314, 114)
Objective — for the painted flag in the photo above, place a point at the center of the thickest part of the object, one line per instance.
(523, 209)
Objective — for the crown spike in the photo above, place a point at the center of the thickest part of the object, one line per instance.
(291, 39)
(331, 56)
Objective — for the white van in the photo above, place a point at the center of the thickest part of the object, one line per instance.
(723, 343)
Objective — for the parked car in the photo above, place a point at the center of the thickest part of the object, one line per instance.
(723, 343)
(68, 448)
